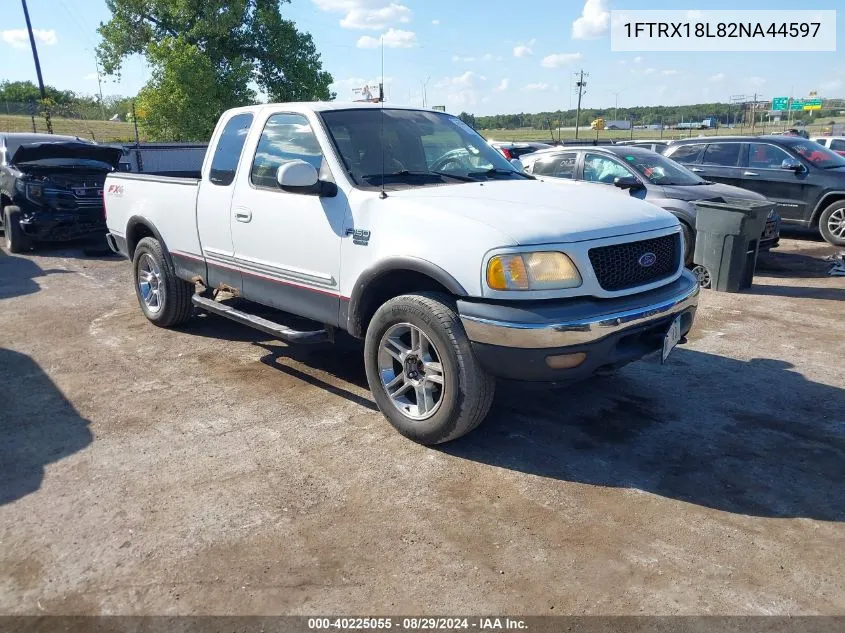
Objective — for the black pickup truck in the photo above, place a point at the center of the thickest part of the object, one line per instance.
(51, 188)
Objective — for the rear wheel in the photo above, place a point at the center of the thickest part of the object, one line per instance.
(421, 369)
(164, 298)
(832, 223)
(16, 240)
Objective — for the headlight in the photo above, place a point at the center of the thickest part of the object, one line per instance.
(34, 193)
(532, 271)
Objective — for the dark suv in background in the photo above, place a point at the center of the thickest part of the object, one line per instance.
(804, 179)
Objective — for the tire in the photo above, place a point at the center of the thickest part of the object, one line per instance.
(465, 393)
(16, 240)
(172, 305)
(832, 223)
(689, 243)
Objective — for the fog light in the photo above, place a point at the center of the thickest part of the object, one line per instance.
(565, 361)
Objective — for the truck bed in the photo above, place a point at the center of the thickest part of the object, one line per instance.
(169, 202)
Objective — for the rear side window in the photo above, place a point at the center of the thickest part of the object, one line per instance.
(557, 166)
(837, 145)
(228, 150)
(726, 154)
(687, 153)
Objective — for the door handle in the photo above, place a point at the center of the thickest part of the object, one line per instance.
(696, 170)
(243, 215)
(750, 173)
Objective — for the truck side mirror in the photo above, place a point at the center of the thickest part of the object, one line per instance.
(297, 176)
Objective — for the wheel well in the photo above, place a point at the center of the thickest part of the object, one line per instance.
(824, 204)
(135, 234)
(383, 288)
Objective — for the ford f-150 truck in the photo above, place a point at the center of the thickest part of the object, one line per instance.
(404, 228)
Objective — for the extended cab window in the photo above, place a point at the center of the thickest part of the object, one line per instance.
(228, 150)
(725, 154)
(557, 166)
(766, 156)
(286, 137)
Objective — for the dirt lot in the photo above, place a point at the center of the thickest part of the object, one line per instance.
(211, 470)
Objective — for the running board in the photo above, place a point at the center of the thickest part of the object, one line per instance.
(269, 327)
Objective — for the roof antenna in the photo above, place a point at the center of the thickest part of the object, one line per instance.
(383, 194)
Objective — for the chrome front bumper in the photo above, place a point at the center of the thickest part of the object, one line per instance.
(581, 329)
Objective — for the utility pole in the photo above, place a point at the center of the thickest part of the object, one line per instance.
(424, 96)
(754, 113)
(37, 66)
(100, 85)
(581, 85)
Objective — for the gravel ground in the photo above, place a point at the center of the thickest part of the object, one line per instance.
(210, 470)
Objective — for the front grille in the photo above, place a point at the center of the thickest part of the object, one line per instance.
(622, 266)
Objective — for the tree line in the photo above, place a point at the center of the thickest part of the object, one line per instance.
(726, 113)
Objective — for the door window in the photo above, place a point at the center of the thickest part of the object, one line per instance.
(765, 156)
(837, 145)
(228, 150)
(686, 153)
(557, 166)
(285, 138)
(598, 168)
(726, 154)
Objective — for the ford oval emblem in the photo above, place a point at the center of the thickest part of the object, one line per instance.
(647, 259)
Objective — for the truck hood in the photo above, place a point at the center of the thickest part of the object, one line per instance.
(544, 212)
(67, 149)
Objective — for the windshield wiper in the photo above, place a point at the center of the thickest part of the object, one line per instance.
(407, 172)
(498, 171)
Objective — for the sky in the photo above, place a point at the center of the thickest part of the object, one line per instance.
(479, 56)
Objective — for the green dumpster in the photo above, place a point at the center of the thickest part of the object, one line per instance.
(727, 240)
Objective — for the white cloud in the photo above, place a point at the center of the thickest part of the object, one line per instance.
(716, 78)
(522, 51)
(638, 60)
(487, 57)
(90, 77)
(462, 90)
(669, 73)
(623, 62)
(18, 38)
(435, 22)
(559, 59)
(649, 71)
(344, 87)
(831, 86)
(593, 22)
(393, 38)
(503, 85)
(367, 14)
(757, 82)
(538, 87)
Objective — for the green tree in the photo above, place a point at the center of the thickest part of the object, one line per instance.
(206, 54)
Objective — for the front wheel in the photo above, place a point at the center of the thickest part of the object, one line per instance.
(421, 369)
(832, 224)
(16, 240)
(165, 299)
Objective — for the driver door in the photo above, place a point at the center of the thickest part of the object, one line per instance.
(287, 245)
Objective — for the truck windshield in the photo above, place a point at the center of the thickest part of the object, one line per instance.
(412, 148)
(660, 170)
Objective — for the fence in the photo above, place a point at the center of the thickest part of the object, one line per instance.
(91, 121)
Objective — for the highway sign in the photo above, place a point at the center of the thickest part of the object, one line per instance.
(812, 104)
(780, 103)
(797, 104)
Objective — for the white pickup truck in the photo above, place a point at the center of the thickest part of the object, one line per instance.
(404, 228)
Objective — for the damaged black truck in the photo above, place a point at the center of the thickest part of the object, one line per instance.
(51, 188)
